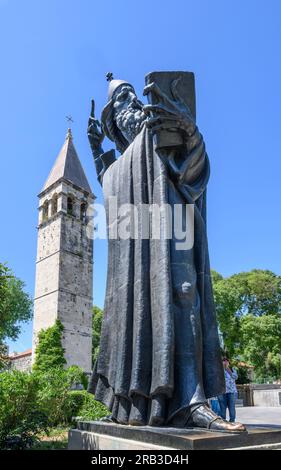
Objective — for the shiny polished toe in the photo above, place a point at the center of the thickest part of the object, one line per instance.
(204, 417)
(222, 425)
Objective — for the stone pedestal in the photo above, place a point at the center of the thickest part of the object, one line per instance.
(94, 435)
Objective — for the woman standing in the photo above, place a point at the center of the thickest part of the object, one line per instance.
(227, 400)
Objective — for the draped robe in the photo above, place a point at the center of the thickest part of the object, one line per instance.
(159, 347)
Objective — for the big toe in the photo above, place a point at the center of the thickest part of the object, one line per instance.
(222, 425)
(238, 427)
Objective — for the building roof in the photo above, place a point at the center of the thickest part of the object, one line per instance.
(244, 364)
(68, 166)
(13, 356)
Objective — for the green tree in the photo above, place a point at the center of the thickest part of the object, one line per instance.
(97, 321)
(263, 292)
(49, 352)
(15, 305)
(256, 293)
(261, 344)
(229, 298)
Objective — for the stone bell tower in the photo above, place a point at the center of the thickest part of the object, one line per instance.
(64, 266)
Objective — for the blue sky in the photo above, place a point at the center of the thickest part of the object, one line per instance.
(54, 57)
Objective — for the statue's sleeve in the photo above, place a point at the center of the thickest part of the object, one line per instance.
(190, 168)
(103, 162)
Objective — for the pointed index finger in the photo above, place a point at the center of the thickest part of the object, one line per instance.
(93, 109)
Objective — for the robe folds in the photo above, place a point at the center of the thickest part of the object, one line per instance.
(159, 347)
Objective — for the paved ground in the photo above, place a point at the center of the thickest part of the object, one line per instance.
(262, 417)
(259, 415)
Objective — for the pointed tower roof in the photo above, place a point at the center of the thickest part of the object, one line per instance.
(68, 167)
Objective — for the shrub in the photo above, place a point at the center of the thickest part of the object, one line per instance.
(21, 419)
(52, 393)
(31, 403)
(54, 387)
(83, 405)
(76, 377)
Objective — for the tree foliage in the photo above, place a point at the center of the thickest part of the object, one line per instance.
(84, 406)
(97, 322)
(261, 344)
(256, 293)
(21, 418)
(15, 304)
(33, 403)
(229, 297)
(262, 292)
(54, 387)
(49, 352)
(248, 307)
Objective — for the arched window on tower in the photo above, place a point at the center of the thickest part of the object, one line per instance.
(45, 212)
(54, 204)
(83, 211)
(70, 205)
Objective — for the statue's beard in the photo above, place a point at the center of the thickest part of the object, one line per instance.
(130, 120)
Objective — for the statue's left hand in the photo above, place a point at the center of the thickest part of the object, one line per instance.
(170, 114)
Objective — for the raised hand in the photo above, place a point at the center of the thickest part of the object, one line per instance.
(95, 132)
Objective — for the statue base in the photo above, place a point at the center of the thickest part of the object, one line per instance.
(95, 435)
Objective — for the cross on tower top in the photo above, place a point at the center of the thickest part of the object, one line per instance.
(109, 76)
(69, 118)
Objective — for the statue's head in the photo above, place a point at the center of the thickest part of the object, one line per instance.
(123, 116)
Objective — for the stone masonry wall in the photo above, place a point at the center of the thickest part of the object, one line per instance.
(64, 276)
(21, 363)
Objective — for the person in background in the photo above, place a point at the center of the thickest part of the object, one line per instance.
(227, 400)
(214, 405)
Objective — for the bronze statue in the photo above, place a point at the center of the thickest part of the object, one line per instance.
(159, 357)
